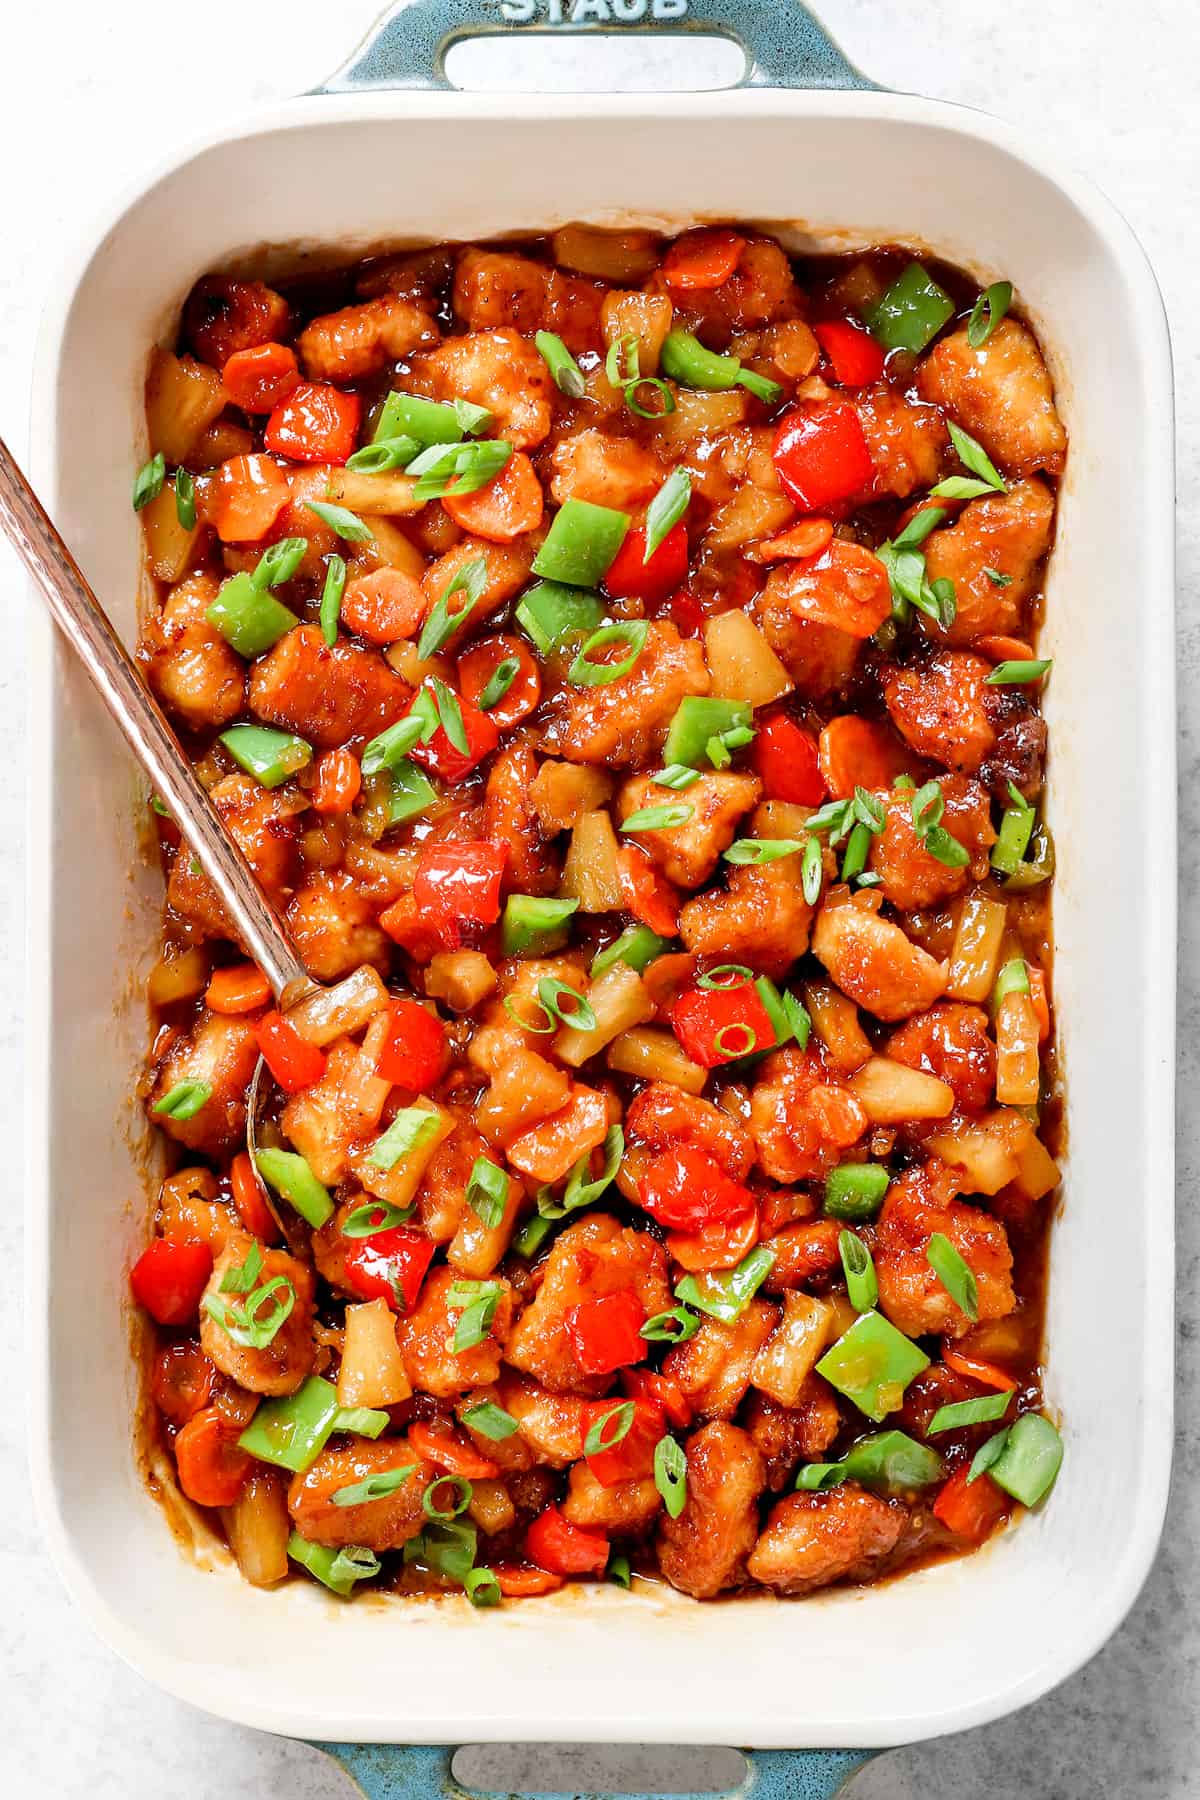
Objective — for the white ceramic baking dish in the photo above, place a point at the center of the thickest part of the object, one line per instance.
(943, 1649)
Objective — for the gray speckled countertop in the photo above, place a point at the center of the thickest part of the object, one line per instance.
(1112, 81)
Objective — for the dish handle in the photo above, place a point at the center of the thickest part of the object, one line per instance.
(423, 1772)
(784, 44)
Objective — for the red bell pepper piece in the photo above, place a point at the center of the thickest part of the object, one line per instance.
(169, 1277)
(702, 260)
(389, 1265)
(646, 892)
(630, 575)
(449, 1453)
(460, 883)
(445, 759)
(405, 925)
(414, 1051)
(606, 1333)
(248, 1198)
(973, 1511)
(856, 358)
(212, 1468)
(257, 380)
(649, 1384)
(784, 758)
(317, 423)
(977, 1369)
(292, 1060)
(565, 1549)
(717, 1025)
(687, 612)
(821, 455)
(632, 1458)
(685, 1189)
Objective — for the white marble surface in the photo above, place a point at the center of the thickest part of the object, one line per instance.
(91, 93)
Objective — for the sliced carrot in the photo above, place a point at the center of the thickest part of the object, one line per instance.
(246, 497)
(1039, 1000)
(480, 663)
(252, 1208)
(1004, 649)
(258, 379)
(855, 752)
(971, 1511)
(449, 1453)
(550, 1149)
(383, 606)
(702, 260)
(846, 587)
(338, 782)
(212, 1469)
(505, 508)
(721, 1245)
(647, 893)
(242, 988)
(808, 538)
(521, 1581)
(977, 1369)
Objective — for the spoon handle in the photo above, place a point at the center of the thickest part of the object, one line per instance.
(81, 619)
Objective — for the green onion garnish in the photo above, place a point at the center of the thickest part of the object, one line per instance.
(670, 1475)
(676, 775)
(1016, 829)
(954, 1273)
(576, 1013)
(858, 1266)
(619, 1572)
(666, 509)
(442, 624)
(383, 455)
(457, 468)
(812, 871)
(998, 578)
(725, 976)
(375, 1487)
(798, 1018)
(185, 499)
(498, 683)
(637, 395)
(622, 364)
(1018, 674)
(583, 672)
(289, 1174)
(490, 1421)
(148, 481)
(532, 1235)
(659, 818)
(246, 1323)
(761, 850)
(270, 756)
(735, 1040)
(675, 1326)
(240, 1278)
(685, 359)
(987, 313)
(340, 519)
(568, 376)
(367, 1421)
(412, 1126)
(279, 563)
(973, 456)
(391, 746)
(437, 1504)
(338, 1570)
(581, 543)
(582, 1187)
(858, 848)
(479, 1300)
(961, 1413)
(374, 1216)
(487, 1192)
(609, 1429)
(331, 598)
(482, 1587)
(184, 1100)
(449, 712)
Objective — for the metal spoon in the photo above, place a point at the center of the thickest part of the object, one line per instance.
(83, 622)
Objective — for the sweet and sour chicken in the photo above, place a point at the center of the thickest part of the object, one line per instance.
(616, 659)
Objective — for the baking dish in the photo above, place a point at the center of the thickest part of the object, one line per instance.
(946, 1648)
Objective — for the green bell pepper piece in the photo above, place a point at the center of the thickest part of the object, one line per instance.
(727, 1296)
(337, 1570)
(911, 313)
(697, 719)
(289, 1174)
(872, 1364)
(638, 946)
(855, 1190)
(270, 756)
(581, 543)
(551, 615)
(248, 616)
(531, 926)
(293, 1429)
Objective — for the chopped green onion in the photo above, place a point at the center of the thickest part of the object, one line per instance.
(184, 1100)
(1012, 840)
(652, 384)
(816, 1478)
(919, 528)
(858, 848)
(676, 775)
(148, 481)
(291, 1430)
(855, 1190)
(637, 946)
(1029, 1460)
(270, 756)
(567, 374)
(674, 1326)
(551, 614)
(585, 673)
(670, 1475)
(499, 682)
(998, 578)
(532, 1235)
(735, 1040)
(609, 1429)
(658, 818)
(697, 720)
(473, 419)
(479, 1300)
(442, 624)
(338, 1570)
(973, 456)
(248, 617)
(727, 1296)
(458, 468)
(412, 1126)
(446, 1546)
(725, 976)
(331, 598)
(280, 562)
(775, 1009)
(812, 871)
(532, 926)
(240, 1278)
(987, 1455)
(383, 455)
(619, 1571)
(490, 1421)
(868, 810)
(289, 1174)
(761, 386)
(446, 1510)
(954, 1273)
(581, 543)
(393, 745)
(622, 363)
(185, 499)
(482, 1587)
(685, 359)
(245, 1323)
(1013, 978)
(798, 1018)
(987, 313)
(367, 1421)
(961, 1413)
(412, 416)
(761, 850)
(666, 509)
(946, 849)
(582, 1187)
(577, 1015)
(858, 1266)
(487, 1192)
(375, 1487)
(927, 807)
(1018, 674)
(911, 313)
(509, 1004)
(449, 711)
(835, 817)
(872, 1364)
(340, 519)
